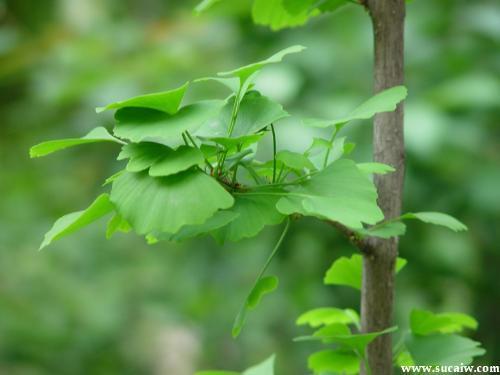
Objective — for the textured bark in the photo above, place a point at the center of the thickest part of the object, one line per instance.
(388, 147)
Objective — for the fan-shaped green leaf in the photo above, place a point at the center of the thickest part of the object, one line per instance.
(246, 71)
(294, 160)
(424, 322)
(348, 271)
(74, 221)
(176, 161)
(339, 192)
(143, 124)
(437, 218)
(334, 361)
(165, 204)
(256, 210)
(442, 349)
(142, 155)
(98, 134)
(166, 101)
(263, 286)
(384, 101)
(255, 113)
(328, 315)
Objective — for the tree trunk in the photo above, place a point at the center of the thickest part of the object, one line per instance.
(388, 147)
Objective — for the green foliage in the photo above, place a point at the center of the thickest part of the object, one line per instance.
(95, 135)
(328, 315)
(425, 322)
(437, 218)
(279, 14)
(348, 271)
(264, 368)
(335, 361)
(76, 220)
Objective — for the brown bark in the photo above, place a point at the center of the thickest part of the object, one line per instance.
(377, 293)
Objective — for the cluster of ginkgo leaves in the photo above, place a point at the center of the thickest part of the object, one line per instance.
(192, 170)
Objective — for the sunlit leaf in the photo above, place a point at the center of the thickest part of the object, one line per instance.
(143, 124)
(262, 287)
(142, 155)
(340, 193)
(98, 134)
(424, 322)
(442, 349)
(217, 373)
(246, 71)
(256, 210)
(385, 230)
(165, 204)
(348, 271)
(117, 224)
(232, 83)
(328, 315)
(74, 221)
(334, 361)
(437, 218)
(205, 5)
(166, 101)
(384, 101)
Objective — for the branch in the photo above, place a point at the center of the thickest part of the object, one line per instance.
(366, 245)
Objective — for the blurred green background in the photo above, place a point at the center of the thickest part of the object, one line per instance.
(91, 306)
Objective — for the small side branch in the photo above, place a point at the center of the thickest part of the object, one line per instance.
(367, 246)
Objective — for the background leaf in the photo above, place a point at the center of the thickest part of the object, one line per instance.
(328, 315)
(334, 361)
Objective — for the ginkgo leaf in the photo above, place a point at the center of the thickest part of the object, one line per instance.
(375, 168)
(237, 143)
(220, 219)
(385, 101)
(166, 101)
(256, 210)
(246, 71)
(294, 160)
(424, 322)
(74, 221)
(262, 287)
(437, 218)
(232, 83)
(341, 335)
(255, 113)
(98, 134)
(385, 230)
(272, 13)
(339, 192)
(165, 204)
(117, 224)
(176, 161)
(294, 7)
(348, 271)
(142, 155)
(264, 368)
(215, 372)
(143, 124)
(335, 361)
(436, 350)
(328, 315)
